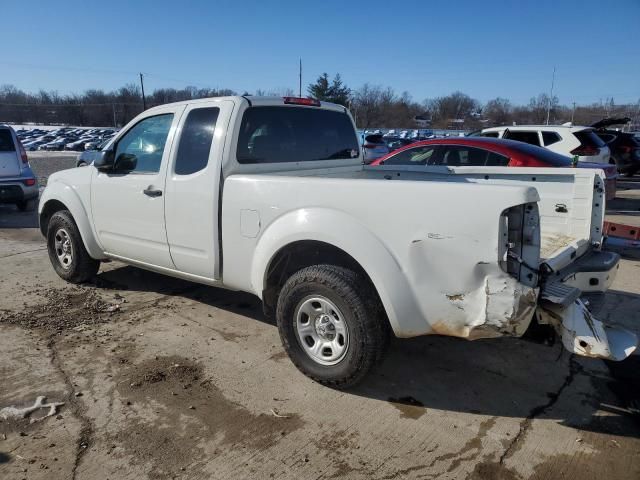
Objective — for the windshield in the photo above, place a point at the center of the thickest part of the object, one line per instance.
(290, 134)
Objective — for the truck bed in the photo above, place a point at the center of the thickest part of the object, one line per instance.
(571, 202)
(551, 243)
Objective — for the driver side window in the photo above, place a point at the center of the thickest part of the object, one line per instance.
(140, 149)
(423, 155)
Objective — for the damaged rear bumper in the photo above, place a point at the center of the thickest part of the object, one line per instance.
(582, 333)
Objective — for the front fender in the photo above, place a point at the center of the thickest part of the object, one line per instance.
(346, 233)
(64, 193)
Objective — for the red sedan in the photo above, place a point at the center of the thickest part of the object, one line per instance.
(488, 152)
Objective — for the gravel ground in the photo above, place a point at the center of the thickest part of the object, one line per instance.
(44, 164)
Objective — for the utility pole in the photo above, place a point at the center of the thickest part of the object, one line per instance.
(300, 79)
(573, 111)
(113, 106)
(144, 100)
(553, 79)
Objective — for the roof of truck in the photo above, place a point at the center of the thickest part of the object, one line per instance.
(258, 101)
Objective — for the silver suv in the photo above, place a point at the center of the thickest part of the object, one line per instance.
(18, 184)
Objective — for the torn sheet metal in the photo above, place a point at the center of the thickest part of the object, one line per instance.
(502, 306)
(585, 335)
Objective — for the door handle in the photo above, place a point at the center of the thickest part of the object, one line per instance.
(152, 193)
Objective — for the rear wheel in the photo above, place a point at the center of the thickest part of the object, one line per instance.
(67, 254)
(82, 163)
(331, 324)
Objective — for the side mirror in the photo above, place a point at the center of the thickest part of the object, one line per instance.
(125, 162)
(105, 161)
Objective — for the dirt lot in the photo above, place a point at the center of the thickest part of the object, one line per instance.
(162, 378)
(44, 164)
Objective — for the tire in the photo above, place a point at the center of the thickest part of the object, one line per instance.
(349, 303)
(71, 262)
(82, 164)
(27, 205)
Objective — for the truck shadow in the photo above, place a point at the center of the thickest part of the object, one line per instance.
(503, 377)
(134, 279)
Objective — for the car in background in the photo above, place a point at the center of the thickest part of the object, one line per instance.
(18, 184)
(92, 144)
(624, 146)
(488, 152)
(373, 147)
(568, 140)
(88, 156)
(54, 146)
(76, 145)
(33, 145)
(394, 143)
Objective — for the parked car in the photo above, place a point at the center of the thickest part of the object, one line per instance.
(342, 254)
(565, 139)
(394, 143)
(33, 145)
(488, 152)
(374, 147)
(55, 145)
(18, 184)
(92, 144)
(76, 145)
(88, 156)
(625, 147)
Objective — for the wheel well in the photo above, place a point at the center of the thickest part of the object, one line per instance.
(51, 207)
(298, 255)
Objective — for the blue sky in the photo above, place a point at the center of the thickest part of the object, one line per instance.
(483, 48)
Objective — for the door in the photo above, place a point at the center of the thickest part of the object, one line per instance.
(193, 186)
(127, 203)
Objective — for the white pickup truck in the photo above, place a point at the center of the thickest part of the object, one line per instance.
(269, 196)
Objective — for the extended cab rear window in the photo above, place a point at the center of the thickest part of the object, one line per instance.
(295, 134)
(6, 141)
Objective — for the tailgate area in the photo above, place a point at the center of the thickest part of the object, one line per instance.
(562, 306)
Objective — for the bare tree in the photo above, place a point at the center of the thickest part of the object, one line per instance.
(498, 111)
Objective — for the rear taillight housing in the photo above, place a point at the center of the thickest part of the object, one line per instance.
(527, 162)
(23, 154)
(625, 149)
(585, 151)
(519, 243)
(29, 182)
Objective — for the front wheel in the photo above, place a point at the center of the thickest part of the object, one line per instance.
(331, 324)
(67, 254)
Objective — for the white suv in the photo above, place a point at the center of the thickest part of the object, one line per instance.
(566, 140)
